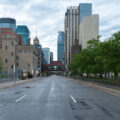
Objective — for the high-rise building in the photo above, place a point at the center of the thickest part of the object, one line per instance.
(85, 9)
(80, 26)
(60, 46)
(46, 52)
(39, 49)
(89, 29)
(23, 29)
(51, 57)
(71, 30)
(8, 23)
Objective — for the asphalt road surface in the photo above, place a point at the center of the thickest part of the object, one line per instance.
(58, 98)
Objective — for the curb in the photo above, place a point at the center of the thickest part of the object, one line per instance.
(11, 84)
(100, 87)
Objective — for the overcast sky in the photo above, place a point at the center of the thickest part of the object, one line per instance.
(49, 17)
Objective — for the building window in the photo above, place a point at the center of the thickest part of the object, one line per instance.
(11, 66)
(11, 53)
(17, 64)
(28, 65)
(12, 43)
(6, 60)
(6, 47)
(17, 57)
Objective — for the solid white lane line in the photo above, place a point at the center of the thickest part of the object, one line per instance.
(21, 98)
(73, 99)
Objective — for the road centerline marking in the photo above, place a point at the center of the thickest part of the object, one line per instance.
(74, 100)
(21, 98)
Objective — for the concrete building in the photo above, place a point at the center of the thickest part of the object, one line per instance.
(27, 59)
(9, 40)
(14, 55)
(8, 23)
(46, 52)
(60, 46)
(23, 29)
(51, 57)
(89, 29)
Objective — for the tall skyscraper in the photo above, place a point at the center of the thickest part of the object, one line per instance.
(46, 52)
(85, 9)
(77, 35)
(60, 46)
(23, 29)
(51, 57)
(89, 29)
(71, 30)
(38, 46)
(8, 23)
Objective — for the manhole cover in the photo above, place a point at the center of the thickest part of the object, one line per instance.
(27, 87)
(17, 92)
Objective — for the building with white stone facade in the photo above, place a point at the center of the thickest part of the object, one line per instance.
(88, 29)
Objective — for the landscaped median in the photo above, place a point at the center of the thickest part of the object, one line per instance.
(14, 83)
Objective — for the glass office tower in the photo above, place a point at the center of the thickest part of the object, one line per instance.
(60, 46)
(23, 29)
(7, 23)
(85, 9)
(46, 52)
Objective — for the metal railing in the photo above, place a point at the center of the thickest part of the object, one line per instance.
(8, 77)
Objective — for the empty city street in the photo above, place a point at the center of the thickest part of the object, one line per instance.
(58, 98)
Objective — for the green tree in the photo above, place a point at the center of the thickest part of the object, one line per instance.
(99, 57)
(95, 58)
(75, 65)
(1, 66)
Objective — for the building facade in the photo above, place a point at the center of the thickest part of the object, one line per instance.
(8, 49)
(71, 30)
(60, 46)
(46, 52)
(14, 55)
(38, 46)
(23, 29)
(8, 23)
(26, 59)
(85, 9)
(89, 29)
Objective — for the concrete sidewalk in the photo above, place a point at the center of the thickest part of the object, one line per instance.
(11, 84)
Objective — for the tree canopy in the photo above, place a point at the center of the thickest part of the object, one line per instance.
(99, 57)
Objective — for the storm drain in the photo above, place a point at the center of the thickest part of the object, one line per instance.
(27, 87)
(18, 92)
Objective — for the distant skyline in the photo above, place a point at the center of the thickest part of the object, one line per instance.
(48, 15)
